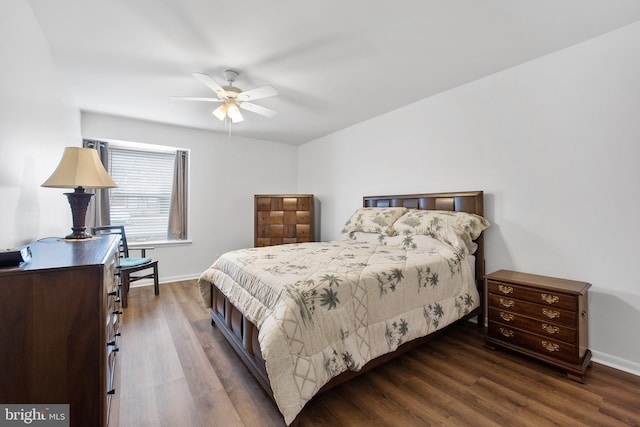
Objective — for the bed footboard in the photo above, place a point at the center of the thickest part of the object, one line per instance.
(241, 334)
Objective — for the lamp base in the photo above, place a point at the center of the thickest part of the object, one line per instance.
(79, 201)
(78, 235)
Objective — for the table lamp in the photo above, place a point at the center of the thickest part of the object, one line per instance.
(79, 168)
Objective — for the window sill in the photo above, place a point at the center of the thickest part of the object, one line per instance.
(158, 243)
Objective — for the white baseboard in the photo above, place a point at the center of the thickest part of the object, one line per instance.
(149, 282)
(616, 362)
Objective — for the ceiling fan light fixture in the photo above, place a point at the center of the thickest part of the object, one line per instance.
(221, 112)
(234, 113)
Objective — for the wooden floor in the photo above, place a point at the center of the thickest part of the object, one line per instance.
(175, 369)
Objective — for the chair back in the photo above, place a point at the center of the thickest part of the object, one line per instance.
(114, 229)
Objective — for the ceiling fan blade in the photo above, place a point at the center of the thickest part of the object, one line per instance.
(194, 98)
(261, 92)
(257, 109)
(211, 84)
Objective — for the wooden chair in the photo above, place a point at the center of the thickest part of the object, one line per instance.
(130, 265)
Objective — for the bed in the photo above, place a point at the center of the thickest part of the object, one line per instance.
(306, 317)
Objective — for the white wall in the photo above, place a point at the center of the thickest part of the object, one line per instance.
(225, 173)
(37, 120)
(555, 145)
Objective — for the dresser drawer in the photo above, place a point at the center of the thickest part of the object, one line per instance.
(540, 344)
(538, 296)
(540, 327)
(536, 311)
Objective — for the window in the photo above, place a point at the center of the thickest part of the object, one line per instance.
(151, 197)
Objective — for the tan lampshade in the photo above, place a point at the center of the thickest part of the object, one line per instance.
(80, 167)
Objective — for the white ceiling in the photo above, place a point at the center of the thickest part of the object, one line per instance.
(334, 62)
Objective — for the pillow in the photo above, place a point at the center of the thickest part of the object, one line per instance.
(453, 228)
(374, 220)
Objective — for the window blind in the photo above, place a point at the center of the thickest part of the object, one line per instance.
(142, 200)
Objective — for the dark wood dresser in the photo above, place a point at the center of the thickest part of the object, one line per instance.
(283, 218)
(59, 328)
(543, 317)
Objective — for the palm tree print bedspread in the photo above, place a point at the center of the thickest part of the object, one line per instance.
(326, 307)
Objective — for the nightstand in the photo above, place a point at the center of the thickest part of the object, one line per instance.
(542, 317)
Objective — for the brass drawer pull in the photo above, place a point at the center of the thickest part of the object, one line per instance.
(506, 302)
(506, 332)
(505, 289)
(550, 329)
(551, 314)
(507, 317)
(549, 346)
(550, 299)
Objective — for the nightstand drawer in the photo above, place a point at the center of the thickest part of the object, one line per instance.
(551, 330)
(542, 345)
(536, 311)
(538, 296)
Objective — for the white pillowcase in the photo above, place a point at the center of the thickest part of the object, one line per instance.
(453, 228)
(374, 220)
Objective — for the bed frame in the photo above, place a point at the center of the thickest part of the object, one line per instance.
(243, 335)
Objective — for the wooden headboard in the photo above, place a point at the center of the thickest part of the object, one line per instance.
(464, 201)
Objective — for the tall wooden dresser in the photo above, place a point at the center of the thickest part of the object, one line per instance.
(59, 328)
(283, 218)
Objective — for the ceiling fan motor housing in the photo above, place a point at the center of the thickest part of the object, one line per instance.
(231, 91)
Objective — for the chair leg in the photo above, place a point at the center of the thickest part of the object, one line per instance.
(125, 289)
(156, 285)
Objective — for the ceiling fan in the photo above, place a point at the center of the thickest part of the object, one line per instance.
(232, 97)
